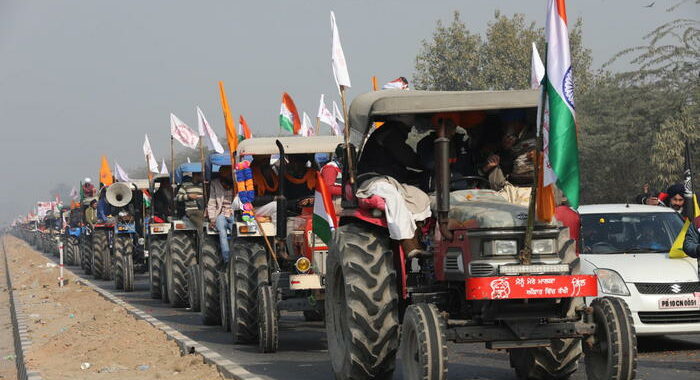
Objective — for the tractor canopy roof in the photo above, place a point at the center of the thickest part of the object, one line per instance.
(187, 167)
(214, 161)
(140, 184)
(291, 144)
(376, 105)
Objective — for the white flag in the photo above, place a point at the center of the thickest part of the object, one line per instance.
(182, 133)
(537, 73)
(164, 169)
(339, 121)
(325, 115)
(74, 193)
(340, 66)
(148, 152)
(206, 132)
(120, 173)
(307, 128)
(188, 160)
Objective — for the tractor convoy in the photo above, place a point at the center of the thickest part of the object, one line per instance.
(476, 266)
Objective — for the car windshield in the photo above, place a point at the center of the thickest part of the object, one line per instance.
(609, 233)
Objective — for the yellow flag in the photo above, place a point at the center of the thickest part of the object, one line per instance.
(677, 247)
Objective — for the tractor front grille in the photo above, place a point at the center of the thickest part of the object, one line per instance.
(667, 288)
(652, 317)
(481, 269)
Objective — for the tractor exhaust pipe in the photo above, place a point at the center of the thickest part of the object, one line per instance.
(442, 172)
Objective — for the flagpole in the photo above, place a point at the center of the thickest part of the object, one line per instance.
(346, 134)
(318, 124)
(526, 253)
(201, 159)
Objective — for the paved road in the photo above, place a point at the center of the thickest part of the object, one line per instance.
(303, 354)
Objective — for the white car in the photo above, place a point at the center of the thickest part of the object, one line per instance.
(627, 247)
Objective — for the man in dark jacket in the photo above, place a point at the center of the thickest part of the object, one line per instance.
(691, 245)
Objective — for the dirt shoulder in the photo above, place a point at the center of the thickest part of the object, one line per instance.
(73, 325)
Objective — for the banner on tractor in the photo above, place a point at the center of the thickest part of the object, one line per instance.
(520, 287)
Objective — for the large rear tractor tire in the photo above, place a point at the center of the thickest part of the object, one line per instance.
(100, 255)
(209, 295)
(558, 361)
(180, 256)
(362, 312)
(613, 352)
(86, 254)
(248, 272)
(193, 287)
(423, 344)
(77, 255)
(268, 321)
(68, 253)
(224, 304)
(156, 252)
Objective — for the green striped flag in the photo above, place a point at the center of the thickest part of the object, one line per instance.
(562, 145)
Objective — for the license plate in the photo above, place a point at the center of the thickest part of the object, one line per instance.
(683, 302)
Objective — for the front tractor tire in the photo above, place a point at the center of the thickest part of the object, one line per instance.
(247, 273)
(268, 321)
(423, 343)
(612, 353)
(362, 310)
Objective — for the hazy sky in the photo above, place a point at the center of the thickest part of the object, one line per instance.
(81, 78)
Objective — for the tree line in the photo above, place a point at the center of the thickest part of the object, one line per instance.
(633, 125)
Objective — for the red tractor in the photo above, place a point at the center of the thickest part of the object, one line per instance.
(474, 279)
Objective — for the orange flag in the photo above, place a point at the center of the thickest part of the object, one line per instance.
(244, 126)
(231, 135)
(545, 196)
(375, 87)
(105, 172)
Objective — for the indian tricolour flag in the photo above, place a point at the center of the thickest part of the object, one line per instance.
(289, 117)
(563, 144)
(324, 220)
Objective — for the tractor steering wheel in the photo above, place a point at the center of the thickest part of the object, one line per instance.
(473, 182)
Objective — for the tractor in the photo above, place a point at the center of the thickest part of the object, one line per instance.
(156, 243)
(276, 264)
(181, 244)
(127, 249)
(483, 273)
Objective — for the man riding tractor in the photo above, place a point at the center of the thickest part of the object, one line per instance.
(277, 262)
(458, 263)
(126, 199)
(187, 219)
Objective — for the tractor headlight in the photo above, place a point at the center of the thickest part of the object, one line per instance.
(302, 264)
(611, 282)
(544, 246)
(501, 247)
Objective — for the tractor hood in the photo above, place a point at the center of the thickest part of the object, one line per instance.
(483, 209)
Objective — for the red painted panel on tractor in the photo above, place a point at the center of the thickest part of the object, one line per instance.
(541, 286)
